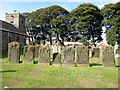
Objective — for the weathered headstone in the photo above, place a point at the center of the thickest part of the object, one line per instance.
(108, 56)
(68, 56)
(54, 48)
(117, 51)
(90, 53)
(44, 55)
(37, 50)
(28, 54)
(82, 55)
(96, 52)
(56, 59)
(14, 52)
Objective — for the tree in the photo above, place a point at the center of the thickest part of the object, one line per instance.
(60, 27)
(111, 21)
(41, 19)
(86, 19)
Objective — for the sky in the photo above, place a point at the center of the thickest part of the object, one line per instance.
(31, 5)
(22, 6)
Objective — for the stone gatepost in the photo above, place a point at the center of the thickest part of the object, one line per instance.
(28, 54)
(108, 56)
(82, 55)
(14, 52)
(44, 55)
(68, 56)
(95, 52)
(37, 50)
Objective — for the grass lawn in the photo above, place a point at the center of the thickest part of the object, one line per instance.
(46, 76)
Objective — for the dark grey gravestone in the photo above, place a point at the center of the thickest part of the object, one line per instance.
(96, 52)
(82, 55)
(108, 56)
(28, 54)
(14, 52)
(37, 50)
(68, 56)
(44, 55)
(56, 59)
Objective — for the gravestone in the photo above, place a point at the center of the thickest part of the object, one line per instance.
(28, 54)
(54, 48)
(44, 55)
(56, 59)
(14, 52)
(37, 50)
(82, 55)
(108, 56)
(90, 53)
(68, 56)
(96, 52)
(117, 51)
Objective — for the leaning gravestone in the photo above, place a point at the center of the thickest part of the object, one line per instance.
(82, 55)
(44, 55)
(37, 50)
(68, 56)
(108, 56)
(14, 52)
(56, 59)
(28, 54)
(95, 52)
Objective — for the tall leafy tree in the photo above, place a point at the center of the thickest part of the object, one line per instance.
(41, 20)
(60, 25)
(111, 21)
(86, 19)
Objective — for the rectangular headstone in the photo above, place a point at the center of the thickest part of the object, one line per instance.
(37, 50)
(28, 54)
(68, 56)
(14, 52)
(95, 52)
(44, 55)
(108, 56)
(82, 55)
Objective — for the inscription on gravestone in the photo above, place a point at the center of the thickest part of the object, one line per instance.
(108, 56)
(14, 52)
(44, 55)
(28, 54)
(69, 56)
(82, 55)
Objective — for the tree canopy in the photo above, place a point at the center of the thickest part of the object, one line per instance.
(111, 14)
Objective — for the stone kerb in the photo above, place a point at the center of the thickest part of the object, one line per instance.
(108, 56)
(44, 55)
(68, 56)
(96, 52)
(82, 55)
(28, 55)
(14, 52)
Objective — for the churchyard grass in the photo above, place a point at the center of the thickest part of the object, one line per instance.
(51, 76)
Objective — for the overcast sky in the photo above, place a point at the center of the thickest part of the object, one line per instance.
(31, 5)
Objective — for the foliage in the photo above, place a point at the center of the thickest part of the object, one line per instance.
(111, 14)
(39, 22)
(86, 19)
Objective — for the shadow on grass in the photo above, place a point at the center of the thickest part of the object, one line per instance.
(95, 64)
(8, 71)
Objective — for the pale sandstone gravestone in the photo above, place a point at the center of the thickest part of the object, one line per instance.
(44, 55)
(56, 59)
(37, 50)
(82, 55)
(95, 52)
(108, 56)
(14, 52)
(68, 56)
(28, 54)
(117, 51)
